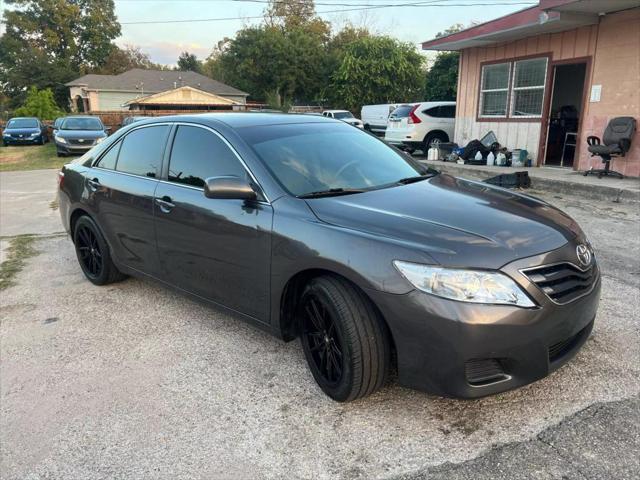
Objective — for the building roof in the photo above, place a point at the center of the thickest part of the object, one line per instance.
(154, 81)
(182, 96)
(549, 16)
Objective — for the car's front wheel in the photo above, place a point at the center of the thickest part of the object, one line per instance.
(93, 253)
(345, 341)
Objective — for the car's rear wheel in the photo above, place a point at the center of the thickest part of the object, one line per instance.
(345, 341)
(93, 253)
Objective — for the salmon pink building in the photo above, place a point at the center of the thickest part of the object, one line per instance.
(547, 77)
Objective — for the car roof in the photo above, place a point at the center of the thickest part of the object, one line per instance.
(81, 116)
(336, 111)
(244, 119)
(23, 118)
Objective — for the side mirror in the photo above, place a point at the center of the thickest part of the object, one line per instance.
(229, 187)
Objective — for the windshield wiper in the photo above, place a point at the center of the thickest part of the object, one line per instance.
(417, 178)
(332, 192)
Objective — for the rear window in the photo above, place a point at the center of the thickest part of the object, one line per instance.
(23, 123)
(402, 111)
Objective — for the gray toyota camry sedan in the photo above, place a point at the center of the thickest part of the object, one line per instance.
(310, 228)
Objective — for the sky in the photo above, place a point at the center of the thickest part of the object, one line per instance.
(164, 42)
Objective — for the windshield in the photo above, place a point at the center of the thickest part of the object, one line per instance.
(82, 124)
(342, 115)
(23, 123)
(314, 157)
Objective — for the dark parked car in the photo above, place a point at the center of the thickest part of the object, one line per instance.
(77, 134)
(24, 130)
(309, 228)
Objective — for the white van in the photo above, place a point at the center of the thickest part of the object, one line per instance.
(375, 117)
(415, 126)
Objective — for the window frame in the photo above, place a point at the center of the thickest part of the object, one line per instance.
(509, 117)
(164, 178)
(118, 143)
(489, 90)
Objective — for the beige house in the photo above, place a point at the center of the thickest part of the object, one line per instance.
(100, 93)
(184, 98)
(547, 77)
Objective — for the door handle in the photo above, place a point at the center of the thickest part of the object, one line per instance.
(94, 184)
(165, 204)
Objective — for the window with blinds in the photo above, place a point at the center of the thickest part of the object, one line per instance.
(513, 89)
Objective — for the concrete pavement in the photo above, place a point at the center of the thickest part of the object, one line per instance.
(134, 381)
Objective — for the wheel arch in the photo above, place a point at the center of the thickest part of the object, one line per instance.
(292, 292)
(73, 218)
(437, 131)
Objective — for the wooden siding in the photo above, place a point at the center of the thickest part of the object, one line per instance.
(580, 42)
(613, 48)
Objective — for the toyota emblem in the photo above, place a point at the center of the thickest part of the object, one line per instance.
(584, 255)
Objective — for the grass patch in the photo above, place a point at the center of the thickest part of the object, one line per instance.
(19, 250)
(30, 157)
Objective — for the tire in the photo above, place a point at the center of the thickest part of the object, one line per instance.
(93, 253)
(433, 137)
(344, 339)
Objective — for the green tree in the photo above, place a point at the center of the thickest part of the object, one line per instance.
(266, 61)
(49, 42)
(441, 81)
(39, 103)
(189, 61)
(121, 60)
(376, 69)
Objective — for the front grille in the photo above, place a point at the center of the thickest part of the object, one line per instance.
(563, 282)
(84, 143)
(484, 371)
(560, 349)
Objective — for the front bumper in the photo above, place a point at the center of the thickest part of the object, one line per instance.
(22, 141)
(73, 149)
(470, 350)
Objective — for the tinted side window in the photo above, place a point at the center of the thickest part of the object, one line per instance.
(198, 154)
(108, 160)
(448, 111)
(433, 112)
(141, 151)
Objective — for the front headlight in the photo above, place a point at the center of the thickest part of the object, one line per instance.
(60, 139)
(99, 139)
(34, 134)
(473, 286)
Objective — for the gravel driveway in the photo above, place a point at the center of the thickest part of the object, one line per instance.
(134, 381)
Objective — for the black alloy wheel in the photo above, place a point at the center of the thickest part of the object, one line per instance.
(344, 338)
(93, 253)
(323, 340)
(89, 251)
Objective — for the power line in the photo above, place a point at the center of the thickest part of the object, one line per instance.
(359, 8)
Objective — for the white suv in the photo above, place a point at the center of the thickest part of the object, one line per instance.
(416, 126)
(345, 116)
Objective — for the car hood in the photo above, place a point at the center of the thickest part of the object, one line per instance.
(84, 134)
(456, 222)
(21, 131)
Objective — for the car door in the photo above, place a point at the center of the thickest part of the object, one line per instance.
(121, 186)
(219, 249)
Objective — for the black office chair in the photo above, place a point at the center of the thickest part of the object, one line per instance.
(616, 143)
